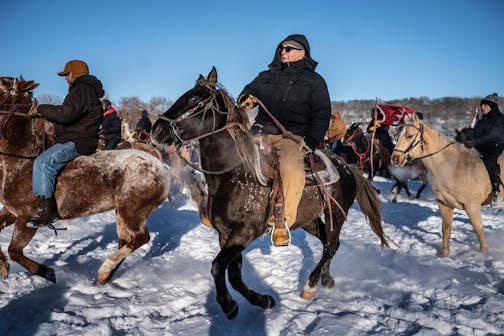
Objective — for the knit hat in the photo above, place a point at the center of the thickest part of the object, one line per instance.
(491, 100)
(76, 67)
(292, 43)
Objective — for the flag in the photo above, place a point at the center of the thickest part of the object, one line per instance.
(392, 114)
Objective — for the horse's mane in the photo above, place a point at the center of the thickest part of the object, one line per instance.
(238, 118)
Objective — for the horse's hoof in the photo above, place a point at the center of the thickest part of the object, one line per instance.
(484, 250)
(102, 278)
(394, 201)
(233, 312)
(269, 302)
(444, 253)
(50, 275)
(4, 271)
(308, 294)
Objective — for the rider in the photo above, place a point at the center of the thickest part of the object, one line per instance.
(488, 139)
(76, 125)
(144, 126)
(381, 132)
(111, 126)
(297, 97)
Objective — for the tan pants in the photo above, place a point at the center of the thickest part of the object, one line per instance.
(291, 165)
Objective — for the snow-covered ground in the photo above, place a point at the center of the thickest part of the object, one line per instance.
(166, 288)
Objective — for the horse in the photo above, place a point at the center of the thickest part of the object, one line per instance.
(132, 182)
(458, 176)
(238, 204)
(412, 171)
(370, 156)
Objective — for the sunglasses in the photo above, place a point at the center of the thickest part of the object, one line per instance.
(288, 49)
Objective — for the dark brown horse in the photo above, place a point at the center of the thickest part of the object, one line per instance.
(361, 150)
(238, 204)
(132, 182)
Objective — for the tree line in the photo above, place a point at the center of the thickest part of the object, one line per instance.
(446, 113)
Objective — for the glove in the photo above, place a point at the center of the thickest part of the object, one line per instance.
(247, 101)
(375, 126)
(469, 143)
(312, 143)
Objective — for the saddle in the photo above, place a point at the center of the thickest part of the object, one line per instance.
(318, 169)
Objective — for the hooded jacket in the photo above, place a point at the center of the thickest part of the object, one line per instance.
(111, 124)
(295, 94)
(79, 118)
(489, 132)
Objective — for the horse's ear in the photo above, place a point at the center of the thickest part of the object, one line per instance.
(410, 118)
(28, 85)
(212, 77)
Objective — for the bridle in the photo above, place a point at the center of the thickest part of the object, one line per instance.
(202, 107)
(418, 141)
(12, 109)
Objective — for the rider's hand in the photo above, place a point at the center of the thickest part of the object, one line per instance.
(247, 101)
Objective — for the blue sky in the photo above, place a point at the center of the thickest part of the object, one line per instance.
(365, 49)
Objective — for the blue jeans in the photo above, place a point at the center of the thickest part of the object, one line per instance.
(47, 166)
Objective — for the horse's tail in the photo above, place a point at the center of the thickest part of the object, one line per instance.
(197, 190)
(370, 204)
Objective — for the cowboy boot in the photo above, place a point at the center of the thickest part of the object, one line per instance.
(45, 215)
(280, 236)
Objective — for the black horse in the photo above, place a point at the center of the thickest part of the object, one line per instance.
(238, 204)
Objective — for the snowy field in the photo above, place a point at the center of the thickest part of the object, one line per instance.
(166, 288)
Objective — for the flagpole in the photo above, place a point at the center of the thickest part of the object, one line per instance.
(474, 118)
(373, 137)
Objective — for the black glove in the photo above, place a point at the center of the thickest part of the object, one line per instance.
(464, 134)
(469, 143)
(312, 143)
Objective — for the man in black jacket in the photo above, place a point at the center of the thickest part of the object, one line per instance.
(111, 126)
(298, 98)
(76, 125)
(488, 139)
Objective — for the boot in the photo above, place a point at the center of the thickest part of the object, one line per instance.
(281, 236)
(46, 214)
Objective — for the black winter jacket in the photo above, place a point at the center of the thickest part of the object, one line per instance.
(295, 94)
(145, 124)
(111, 124)
(79, 118)
(489, 132)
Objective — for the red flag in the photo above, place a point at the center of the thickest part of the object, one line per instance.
(392, 114)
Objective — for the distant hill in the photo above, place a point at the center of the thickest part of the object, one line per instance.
(445, 113)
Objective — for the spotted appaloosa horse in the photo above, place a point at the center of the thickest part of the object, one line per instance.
(132, 182)
(458, 176)
(238, 204)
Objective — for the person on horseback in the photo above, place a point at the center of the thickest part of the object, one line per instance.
(111, 126)
(298, 98)
(143, 127)
(76, 124)
(381, 132)
(487, 138)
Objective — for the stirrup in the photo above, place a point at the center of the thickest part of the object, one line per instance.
(286, 227)
(34, 225)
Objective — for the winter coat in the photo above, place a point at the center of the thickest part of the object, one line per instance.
(489, 132)
(79, 118)
(295, 94)
(145, 124)
(111, 124)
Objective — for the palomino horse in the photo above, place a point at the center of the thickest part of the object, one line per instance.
(458, 177)
(238, 204)
(132, 182)
(371, 157)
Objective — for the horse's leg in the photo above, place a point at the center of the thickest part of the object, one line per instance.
(132, 233)
(447, 217)
(406, 188)
(6, 219)
(330, 241)
(422, 187)
(20, 238)
(235, 278)
(474, 213)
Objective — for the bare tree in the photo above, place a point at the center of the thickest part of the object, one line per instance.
(49, 99)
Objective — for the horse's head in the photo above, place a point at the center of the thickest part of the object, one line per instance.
(202, 110)
(16, 93)
(410, 143)
(352, 133)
